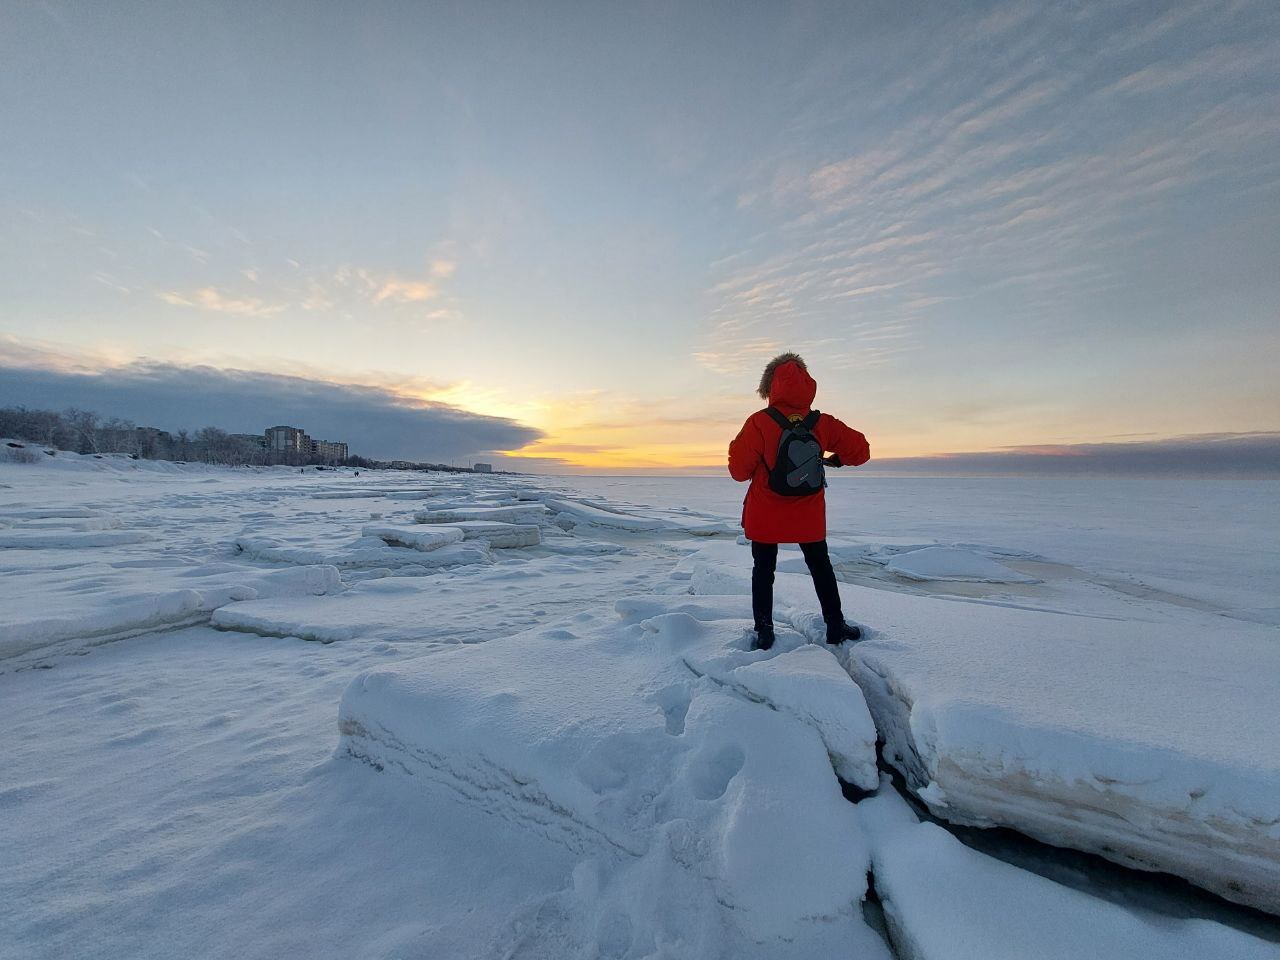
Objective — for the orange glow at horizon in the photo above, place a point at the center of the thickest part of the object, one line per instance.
(602, 430)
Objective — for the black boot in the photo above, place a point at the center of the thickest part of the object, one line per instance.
(765, 560)
(840, 632)
(764, 638)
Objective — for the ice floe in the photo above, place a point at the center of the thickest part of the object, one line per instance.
(945, 901)
(176, 597)
(365, 554)
(1077, 730)
(499, 534)
(951, 563)
(570, 512)
(810, 684)
(39, 539)
(470, 603)
(416, 538)
(579, 547)
(600, 737)
(512, 513)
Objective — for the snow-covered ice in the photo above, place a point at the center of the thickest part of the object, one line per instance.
(365, 554)
(573, 512)
(581, 755)
(952, 563)
(419, 538)
(169, 598)
(601, 738)
(1149, 741)
(46, 539)
(945, 901)
(511, 513)
(474, 603)
(500, 534)
(808, 683)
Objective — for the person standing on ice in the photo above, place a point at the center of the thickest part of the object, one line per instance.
(780, 450)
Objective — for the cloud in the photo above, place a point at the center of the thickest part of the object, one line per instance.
(1208, 454)
(109, 281)
(373, 421)
(343, 289)
(404, 291)
(210, 298)
(742, 354)
(1226, 61)
(998, 148)
(194, 253)
(445, 315)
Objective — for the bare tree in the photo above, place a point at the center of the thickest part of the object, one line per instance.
(118, 436)
(84, 425)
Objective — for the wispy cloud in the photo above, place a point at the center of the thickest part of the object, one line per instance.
(341, 290)
(210, 298)
(404, 291)
(1013, 164)
(738, 355)
(192, 252)
(107, 280)
(1232, 61)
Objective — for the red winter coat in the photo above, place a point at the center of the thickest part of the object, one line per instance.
(769, 517)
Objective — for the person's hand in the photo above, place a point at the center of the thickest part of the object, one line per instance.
(832, 461)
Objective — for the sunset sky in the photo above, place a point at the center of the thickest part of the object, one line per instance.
(580, 230)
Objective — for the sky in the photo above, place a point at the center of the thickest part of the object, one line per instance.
(568, 236)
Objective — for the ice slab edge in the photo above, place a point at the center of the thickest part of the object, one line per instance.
(968, 768)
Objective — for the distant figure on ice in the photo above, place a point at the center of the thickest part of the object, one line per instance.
(780, 450)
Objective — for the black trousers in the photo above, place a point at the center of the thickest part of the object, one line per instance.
(816, 557)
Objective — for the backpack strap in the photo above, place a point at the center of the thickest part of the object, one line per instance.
(781, 419)
(778, 417)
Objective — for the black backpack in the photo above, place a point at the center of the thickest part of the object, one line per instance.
(798, 470)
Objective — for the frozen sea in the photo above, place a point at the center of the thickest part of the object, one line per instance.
(257, 713)
(1207, 542)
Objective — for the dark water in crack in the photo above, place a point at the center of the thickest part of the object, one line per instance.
(1155, 896)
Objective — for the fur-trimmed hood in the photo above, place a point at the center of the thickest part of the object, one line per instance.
(766, 378)
(788, 386)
